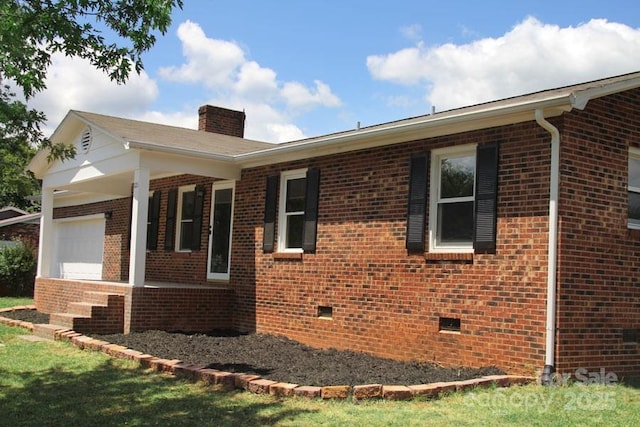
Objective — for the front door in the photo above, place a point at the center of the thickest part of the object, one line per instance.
(221, 227)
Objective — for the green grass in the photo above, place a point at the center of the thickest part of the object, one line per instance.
(53, 383)
(6, 302)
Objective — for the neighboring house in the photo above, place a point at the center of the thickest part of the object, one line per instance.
(505, 233)
(17, 225)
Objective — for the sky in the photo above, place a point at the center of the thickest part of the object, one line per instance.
(305, 68)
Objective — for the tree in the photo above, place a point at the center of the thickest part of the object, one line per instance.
(33, 30)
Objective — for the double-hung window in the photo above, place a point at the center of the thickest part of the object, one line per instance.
(186, 211)
(633, 188)
(292, 210)
(291, 198)
(451, 218)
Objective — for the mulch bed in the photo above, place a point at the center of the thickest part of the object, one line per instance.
(278, 358)
(284, 360)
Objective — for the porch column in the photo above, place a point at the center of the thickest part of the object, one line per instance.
(139, 213)
(46, 239)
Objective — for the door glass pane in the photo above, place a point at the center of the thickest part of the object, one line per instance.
(221, 231)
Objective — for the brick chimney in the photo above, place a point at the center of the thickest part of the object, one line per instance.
(221, 120)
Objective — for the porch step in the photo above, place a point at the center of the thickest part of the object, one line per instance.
(98, 298)
(67, 320)
(47, 330)
(84, 309)
(98, 312)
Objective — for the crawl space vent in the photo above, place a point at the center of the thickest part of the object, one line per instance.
(85, 140)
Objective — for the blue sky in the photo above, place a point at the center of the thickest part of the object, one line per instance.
(306, 68)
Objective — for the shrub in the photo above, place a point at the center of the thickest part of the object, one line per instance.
(17, 269)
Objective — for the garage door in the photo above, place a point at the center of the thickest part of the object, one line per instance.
(79, 247)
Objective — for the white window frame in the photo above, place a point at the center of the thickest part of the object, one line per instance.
(635, 154)
(434, 197)
(282, 214)
(181, 191)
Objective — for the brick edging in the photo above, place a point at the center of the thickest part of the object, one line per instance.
(255, 384)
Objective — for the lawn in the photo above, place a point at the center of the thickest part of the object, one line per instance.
(53, 383)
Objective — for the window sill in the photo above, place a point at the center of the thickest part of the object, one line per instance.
(450, 256)
(292, 256)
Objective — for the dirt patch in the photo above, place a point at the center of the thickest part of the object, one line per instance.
(284, 360)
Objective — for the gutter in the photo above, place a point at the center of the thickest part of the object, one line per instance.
(550, 347)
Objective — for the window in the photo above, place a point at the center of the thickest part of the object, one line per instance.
(451, 219)
(296, 209)
(291, 224)
(184, 218)
(634, 189)
(186, 209)
(462, 194)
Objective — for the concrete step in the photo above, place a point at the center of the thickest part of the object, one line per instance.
(47, 330)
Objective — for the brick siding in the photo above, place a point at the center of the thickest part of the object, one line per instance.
(388, 302)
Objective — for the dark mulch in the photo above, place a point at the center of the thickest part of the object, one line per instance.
(32, 316)
(278, 358)
(284, 360)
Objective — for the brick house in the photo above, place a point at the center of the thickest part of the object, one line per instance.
(16, 224)
(505, 233)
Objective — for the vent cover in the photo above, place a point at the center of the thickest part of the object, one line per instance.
(85, 140)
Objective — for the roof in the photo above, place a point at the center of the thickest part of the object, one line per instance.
(158, 136)
(243, 153)
(33, 218)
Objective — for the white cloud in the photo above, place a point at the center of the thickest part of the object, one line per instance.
(210, 61)
(412, 32)
(73, 83)
(532, 56)
(234, 81)
(298, 95)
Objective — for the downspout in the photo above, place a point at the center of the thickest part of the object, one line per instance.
(549, 361)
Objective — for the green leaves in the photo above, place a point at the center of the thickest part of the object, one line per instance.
(111, 35)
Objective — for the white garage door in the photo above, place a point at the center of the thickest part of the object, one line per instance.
(79, 247)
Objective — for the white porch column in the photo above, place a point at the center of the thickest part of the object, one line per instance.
(46, 239)
(139, 213)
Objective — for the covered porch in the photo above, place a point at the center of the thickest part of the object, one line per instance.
(99, 210)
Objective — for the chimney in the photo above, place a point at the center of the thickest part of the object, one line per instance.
(221, 120)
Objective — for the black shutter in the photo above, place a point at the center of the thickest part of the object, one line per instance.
(170, 225)
(269, 231)
(417, 207)
(311, 197)
(154, 221)
(198, 207)
(485, 219)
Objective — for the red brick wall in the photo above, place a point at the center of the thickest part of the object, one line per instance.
(27, 233)
(179, 267)
(387, 301)
(178, 309)
(598, 276)
(54, 295)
